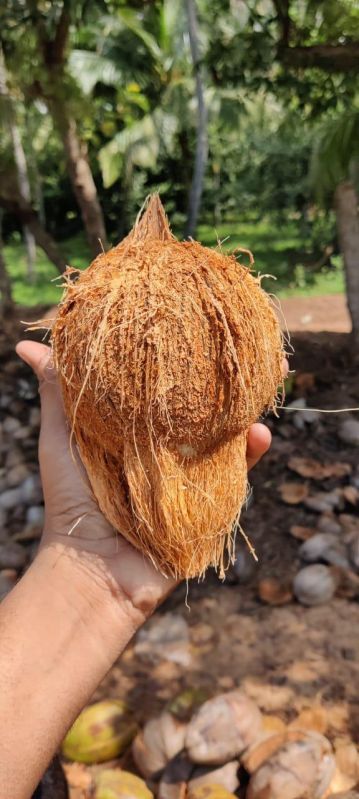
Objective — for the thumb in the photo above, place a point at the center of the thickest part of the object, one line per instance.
(39, 358)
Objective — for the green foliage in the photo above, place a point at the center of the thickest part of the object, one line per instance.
(272, 255)
(335, 150)
(128, 81)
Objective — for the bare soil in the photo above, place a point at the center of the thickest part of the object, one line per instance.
(314, 314)
(310, 654)
(289, 657)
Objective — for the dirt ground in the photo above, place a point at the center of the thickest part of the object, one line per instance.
(314, 314)
(289, 657)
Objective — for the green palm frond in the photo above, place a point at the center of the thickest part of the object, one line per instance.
(89, 68)
(127, 18)
(334, 150)
(138, 145)
(172, 27)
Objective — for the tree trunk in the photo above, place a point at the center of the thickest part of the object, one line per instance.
(346, 206)
(53, 90)
(217, 210)
(6, 301)
(81, 178)
(28, 216)
(21, 165)
(201, 153)
(46, 242)
(38, 195)
(25, 193)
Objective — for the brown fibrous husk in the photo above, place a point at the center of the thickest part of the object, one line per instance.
(167, 352)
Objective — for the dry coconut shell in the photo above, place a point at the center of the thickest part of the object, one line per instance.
(159, 741)
(210, 791)
(101, 732)
(226, 776)
(119, 784)
(266, 746)
(301, 769)
(166, 352)
(175, 778)
(222, 728)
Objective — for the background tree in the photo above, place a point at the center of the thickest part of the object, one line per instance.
(122, 71)
(201, 151)
(46, 58)
(9, 113)
(335, 176)
(6, 301)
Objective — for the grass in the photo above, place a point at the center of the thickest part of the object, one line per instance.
(46, 289)
(273, 249)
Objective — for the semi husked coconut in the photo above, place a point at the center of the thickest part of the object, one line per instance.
(167, 352)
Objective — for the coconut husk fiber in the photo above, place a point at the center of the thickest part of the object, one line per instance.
(167, 352)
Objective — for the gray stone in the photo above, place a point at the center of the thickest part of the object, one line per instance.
(5, 400)
(2, 519)
(354, 480)
(353, 549)
(23, 432)
(14, 457)
(315, 548)
(329, 524)
(244, 565)
(324, 501)
(35, 417)
(165, 637)
(10, 425)
(32, 490)
(326, 547)
(311, 417)
(16, 475)
(314, 585)
(11, 498)
(348, 432)
(35, 515)
(337, 556)
(304, 415)
(12, 555)
(8, 579)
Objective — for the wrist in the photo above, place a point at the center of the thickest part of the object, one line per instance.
(61, 633)
(113, 570)
(90, 594)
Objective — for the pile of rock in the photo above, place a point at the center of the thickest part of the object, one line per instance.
(21, 501)
(325, 496)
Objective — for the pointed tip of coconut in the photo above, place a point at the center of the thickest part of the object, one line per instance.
(151, 222)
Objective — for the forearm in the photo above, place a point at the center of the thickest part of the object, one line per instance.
(60, 632)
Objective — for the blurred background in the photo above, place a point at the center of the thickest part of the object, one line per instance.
(244, 115)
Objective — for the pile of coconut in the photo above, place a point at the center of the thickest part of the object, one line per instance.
(221, 749)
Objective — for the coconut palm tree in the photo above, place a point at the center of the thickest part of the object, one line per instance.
(335, 174)
(165, 116)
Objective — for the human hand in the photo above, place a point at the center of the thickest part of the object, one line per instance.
(73, 522)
